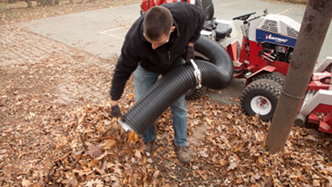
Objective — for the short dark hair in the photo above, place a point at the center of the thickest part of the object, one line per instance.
(158, 21)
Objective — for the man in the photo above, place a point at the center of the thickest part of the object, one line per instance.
(153, 46)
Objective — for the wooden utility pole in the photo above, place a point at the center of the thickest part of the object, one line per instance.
(315, 23)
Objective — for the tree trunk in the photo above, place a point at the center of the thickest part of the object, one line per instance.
(29, 3)
(316, 21)
(44, 2)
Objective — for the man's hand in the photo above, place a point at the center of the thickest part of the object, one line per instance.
(190, 52)
(115, 113)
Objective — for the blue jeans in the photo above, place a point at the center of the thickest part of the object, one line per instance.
(144, 80)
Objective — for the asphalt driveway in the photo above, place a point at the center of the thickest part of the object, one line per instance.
(101, 32)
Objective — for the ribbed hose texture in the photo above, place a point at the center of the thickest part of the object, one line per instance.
(167, 90)
(177, 82)
(217, 55)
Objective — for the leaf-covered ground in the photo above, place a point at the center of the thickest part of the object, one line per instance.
(96, 151)
(44, 142)
(93, 150)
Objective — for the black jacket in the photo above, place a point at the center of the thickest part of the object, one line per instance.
(188, 21)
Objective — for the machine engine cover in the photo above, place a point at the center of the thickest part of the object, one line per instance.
(276, 29)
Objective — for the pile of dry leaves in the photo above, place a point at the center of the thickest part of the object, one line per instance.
(97, 152)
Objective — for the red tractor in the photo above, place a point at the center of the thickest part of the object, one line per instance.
(262, 60)
(317, 104)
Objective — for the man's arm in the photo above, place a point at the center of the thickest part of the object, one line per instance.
(189, 52)
(200, 17)
(113, 102)
(198, 13)
(126, 64)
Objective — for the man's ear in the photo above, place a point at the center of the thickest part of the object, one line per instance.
(172, 28)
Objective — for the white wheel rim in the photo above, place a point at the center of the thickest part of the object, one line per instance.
(261, 105)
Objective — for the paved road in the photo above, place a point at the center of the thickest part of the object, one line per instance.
(101, 32)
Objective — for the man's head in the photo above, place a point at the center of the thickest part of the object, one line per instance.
(158, 25)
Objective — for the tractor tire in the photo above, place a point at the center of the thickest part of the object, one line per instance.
(261, 96)
(195, 93)
(275, 76)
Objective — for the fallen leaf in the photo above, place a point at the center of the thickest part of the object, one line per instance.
(208, 121)
(260, 160)
(26, 182)
(156, 174)
(128, 169)
(132, 136)
(95, 183)
(237, 148)
(234, 162)
(138, 154)
(93, 163)
(109, 143)
(95, 151)
(223, 162)
(316, 182)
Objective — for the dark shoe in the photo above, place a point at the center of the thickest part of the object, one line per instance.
(183, 153)
(148, 148)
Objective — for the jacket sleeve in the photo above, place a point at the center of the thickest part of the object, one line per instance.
(126, 64)
(200, 17)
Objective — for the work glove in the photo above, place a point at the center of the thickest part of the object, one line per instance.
(189, 53)
(115, 113)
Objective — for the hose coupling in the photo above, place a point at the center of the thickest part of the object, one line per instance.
(197, 73)
(125, 126)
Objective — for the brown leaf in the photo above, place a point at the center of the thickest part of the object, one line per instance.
(223, 162)
(138, 154)
(132, 136)
(26, 182)
(95, 151)
(93, 163)
(128, 169)
(233, 162)
(109, 143)
(239, 181)
(86, 171)
(156, 174)
(260, 160)
(117, 170)
(316, 182)
(133, 181)
(237, 148)
(208, 121)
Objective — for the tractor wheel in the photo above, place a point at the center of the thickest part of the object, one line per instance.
(195, 93)
(261, 97)
(275, 76)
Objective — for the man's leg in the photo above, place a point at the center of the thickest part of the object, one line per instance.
(144, 80)
(179, 112)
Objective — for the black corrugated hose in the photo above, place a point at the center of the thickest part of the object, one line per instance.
(177, 82)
